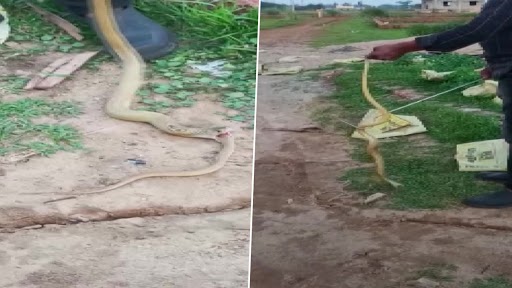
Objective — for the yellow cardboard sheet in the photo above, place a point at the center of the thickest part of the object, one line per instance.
(490, 155)
(399, 125)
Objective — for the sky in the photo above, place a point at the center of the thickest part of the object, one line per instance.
(367, 2)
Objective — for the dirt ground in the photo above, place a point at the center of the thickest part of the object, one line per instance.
(288, 35)
(308, 231)
(70, 254)
(154, 252)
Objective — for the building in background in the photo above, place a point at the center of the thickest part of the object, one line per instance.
(460, 6)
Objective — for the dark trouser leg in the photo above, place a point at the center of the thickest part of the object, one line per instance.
(503, 198)
(505, 93)
(150, 39)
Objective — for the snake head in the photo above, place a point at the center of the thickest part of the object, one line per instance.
(223, 133)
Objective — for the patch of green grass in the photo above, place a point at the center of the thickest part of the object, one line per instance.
(19, 132)
(12, 84)
(356, 29)
(439, 272)
(496, 282)
(272, 23)
(425, 166)
(374, 12)
(426, 29)
(220, 26)
(176, 84)
(29, 27)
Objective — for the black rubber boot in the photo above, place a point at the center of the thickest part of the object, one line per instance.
(150, 39)
(500, 199)
(498, 177)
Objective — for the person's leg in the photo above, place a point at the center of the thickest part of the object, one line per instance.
(150, 39)
(504, 90)
(502, 198)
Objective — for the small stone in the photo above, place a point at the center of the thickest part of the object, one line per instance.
(2, 172)
(374, 197)
(290, 201)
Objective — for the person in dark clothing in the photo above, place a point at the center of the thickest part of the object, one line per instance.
(492, 29)
(149, 38)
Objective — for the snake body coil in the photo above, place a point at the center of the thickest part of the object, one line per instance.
(373, 144)
(119, 104)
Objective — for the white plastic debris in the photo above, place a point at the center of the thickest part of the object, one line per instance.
(374, 197)
(432, 75)
(488, 88)
(5, 29)
(215, 68)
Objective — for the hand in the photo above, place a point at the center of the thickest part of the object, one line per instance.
(393, 51)
(486, 73)
(386, 52)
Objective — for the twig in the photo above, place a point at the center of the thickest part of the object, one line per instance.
(60, 199)
(62, 23)
(300, 130)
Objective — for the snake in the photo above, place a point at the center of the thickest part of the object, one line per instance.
(373, 145)
(118, 106)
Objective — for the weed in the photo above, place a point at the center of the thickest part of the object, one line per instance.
(424, 29)
(272, 12)
(355, 29)
(332, 12)
(439, 272)
(19, 132)
(374, 12)
(496, 282)
(221, 26)
(178, 83)
(12, 84)
(272, 23)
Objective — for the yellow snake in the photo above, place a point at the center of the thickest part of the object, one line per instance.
(373, 144)
(119, 104)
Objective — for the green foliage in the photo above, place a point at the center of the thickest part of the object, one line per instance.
(497, 282)
(332, 12)
(374, 12)
(425, 29)
(272, 12)
(221, 26)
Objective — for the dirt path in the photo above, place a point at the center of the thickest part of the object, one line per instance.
(309, 232)
(171, 251)
(299, 34)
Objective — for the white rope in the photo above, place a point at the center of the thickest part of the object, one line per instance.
(433, 96)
